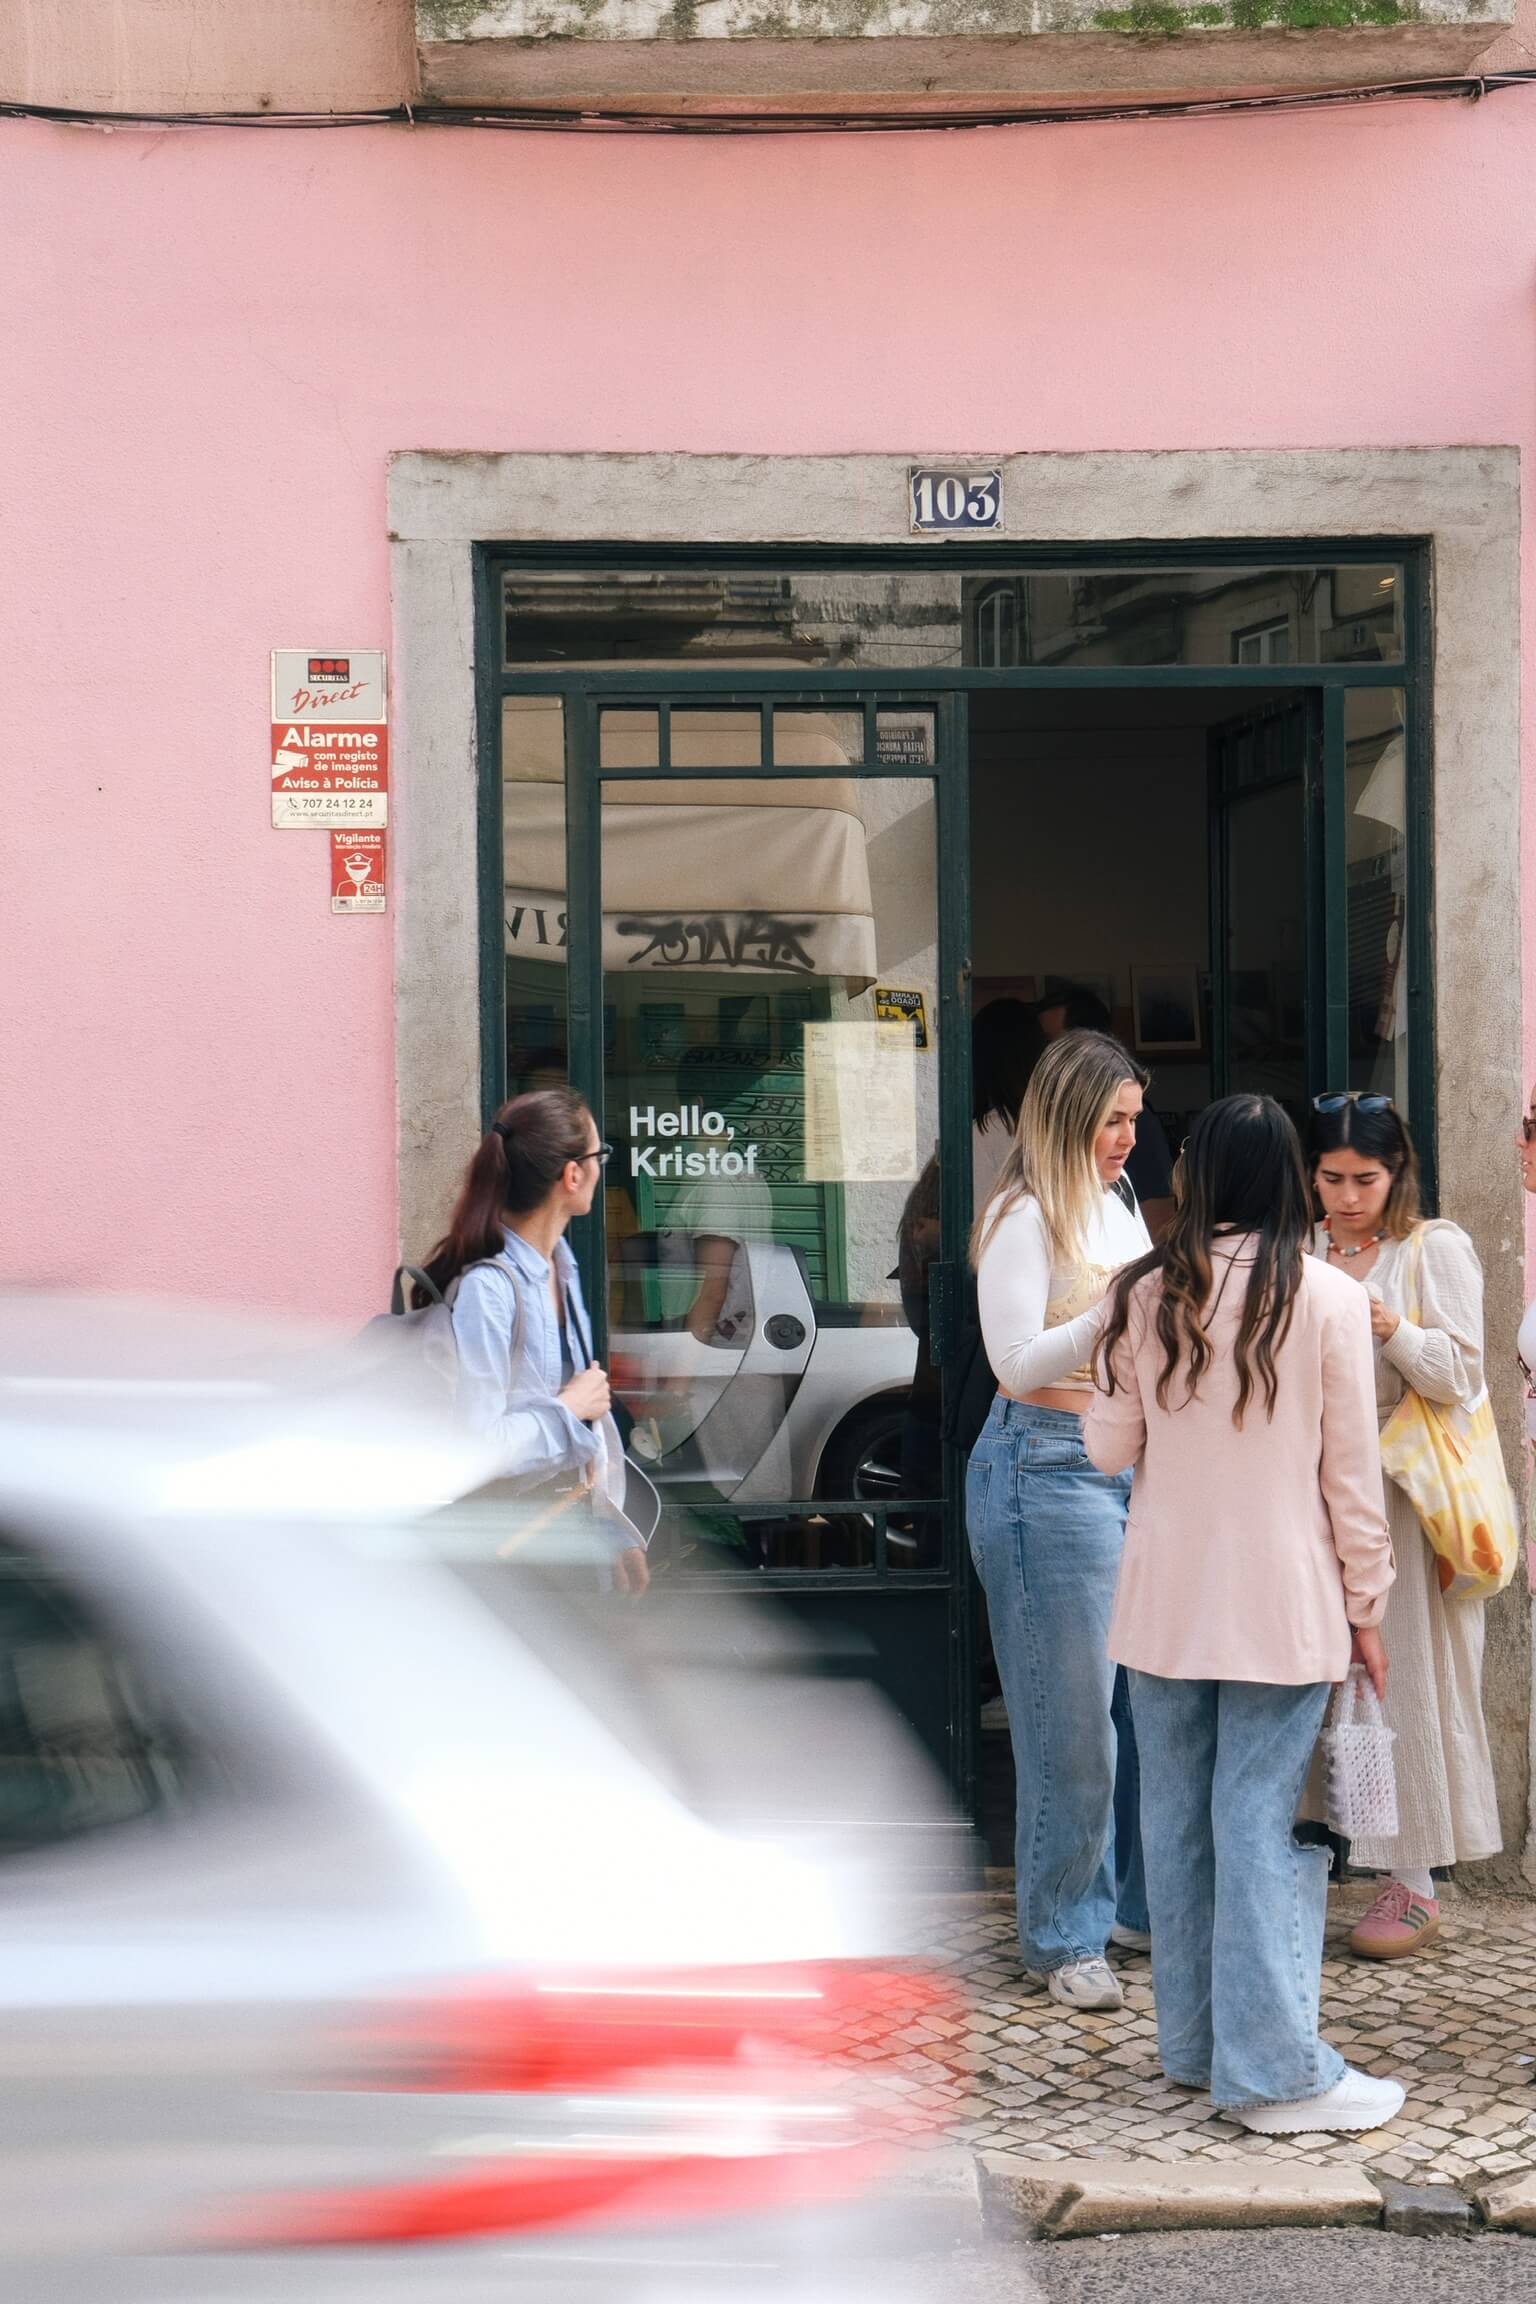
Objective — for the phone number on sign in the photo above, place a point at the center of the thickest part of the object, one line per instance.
(336, 808)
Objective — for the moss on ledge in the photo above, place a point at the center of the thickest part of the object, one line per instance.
(1160, 20)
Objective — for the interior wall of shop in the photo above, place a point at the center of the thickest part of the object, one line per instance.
(1090, 858)
(224, 336)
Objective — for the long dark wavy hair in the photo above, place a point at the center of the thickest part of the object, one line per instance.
(1242, 1172)
(517, 1165)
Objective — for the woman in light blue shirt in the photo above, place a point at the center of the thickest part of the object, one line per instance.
(527, 1379)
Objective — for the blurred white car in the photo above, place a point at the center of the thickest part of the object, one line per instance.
(385, 1914)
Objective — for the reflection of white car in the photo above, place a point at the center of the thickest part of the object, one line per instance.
(371, 1928)
(799, 1401)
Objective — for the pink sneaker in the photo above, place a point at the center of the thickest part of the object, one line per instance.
(1397, 1925)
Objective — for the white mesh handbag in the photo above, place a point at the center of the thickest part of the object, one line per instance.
(1357, 1752)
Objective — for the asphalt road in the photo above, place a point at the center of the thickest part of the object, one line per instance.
(1237, 2268)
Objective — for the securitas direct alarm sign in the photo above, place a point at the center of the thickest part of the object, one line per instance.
(330, 738)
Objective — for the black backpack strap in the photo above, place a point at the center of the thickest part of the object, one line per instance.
(418, 1279)
(970, 1386)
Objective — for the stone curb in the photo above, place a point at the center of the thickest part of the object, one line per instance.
(959, 2198)
(1023, 2198)
(1426, 2211)
(941, 2200)
(1508, 2205)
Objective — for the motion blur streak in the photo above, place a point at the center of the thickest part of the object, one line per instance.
(614, 2193)
(774, 2116)
(574, 2032)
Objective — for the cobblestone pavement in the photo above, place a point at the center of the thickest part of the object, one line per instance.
(1019, 2073)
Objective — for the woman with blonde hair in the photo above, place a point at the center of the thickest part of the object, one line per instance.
(1425, 1286)
(1045, 1528)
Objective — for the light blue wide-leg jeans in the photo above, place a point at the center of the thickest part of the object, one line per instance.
(1046, 1531)
(1238, 1907)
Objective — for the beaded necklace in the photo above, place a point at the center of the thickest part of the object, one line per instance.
(1335, 1248)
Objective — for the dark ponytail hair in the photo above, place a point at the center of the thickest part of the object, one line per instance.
(516, 1167)
(1242, 1173)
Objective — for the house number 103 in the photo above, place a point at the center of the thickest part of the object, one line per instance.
(951, 502)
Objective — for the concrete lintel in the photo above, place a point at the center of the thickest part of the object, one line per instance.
(1072, 2199)
(930, 69)
(1159, 495)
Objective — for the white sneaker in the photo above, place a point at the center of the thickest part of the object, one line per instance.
(1353, 2104)
(1131, 1939)
(1085, 1984)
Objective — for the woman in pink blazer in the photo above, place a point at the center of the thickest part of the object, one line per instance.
(1236, 1378)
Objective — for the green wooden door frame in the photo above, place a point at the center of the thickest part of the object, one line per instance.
(585, 690)
(1326, 787)
(586, 781)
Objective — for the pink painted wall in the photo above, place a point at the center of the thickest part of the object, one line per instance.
(213, 341)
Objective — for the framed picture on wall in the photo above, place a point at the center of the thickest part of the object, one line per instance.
(985, 988)
(1062, 987)
(1165, 1011)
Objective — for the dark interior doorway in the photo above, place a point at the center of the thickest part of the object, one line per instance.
(1151, 846)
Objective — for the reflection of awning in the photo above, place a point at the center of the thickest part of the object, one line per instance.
(742, 874)
(1384, 799)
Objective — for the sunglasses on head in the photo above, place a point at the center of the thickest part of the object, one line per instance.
(1337, 1099)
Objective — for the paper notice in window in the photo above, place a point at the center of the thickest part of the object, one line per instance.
(860, 1103)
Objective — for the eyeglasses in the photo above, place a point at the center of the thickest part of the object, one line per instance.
(601, 1153)
(1528, 1129)
(1337, 1099)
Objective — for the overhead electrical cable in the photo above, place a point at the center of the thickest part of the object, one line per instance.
(590, 119)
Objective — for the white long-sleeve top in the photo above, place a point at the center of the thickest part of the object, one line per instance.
(1039, 1320)
(1434, 1282)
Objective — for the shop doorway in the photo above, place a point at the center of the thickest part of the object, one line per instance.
(1149, 847)
(769, 837)
(1139, 859)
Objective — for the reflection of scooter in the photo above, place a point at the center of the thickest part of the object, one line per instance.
(802, 1399)
(642, 1501)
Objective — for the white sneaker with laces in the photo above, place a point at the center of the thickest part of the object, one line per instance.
(1352, 2105)
(1085, 1984)
(1131, 1939)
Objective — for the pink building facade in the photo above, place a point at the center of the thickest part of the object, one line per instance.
(271, 387)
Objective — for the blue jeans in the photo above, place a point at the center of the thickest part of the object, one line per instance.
(1237, 1906)
(1046, 1532)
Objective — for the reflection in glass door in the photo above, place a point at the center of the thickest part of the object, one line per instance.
(771, 993)
(767, 1128)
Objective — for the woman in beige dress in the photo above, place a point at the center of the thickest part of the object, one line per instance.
(1426, 1290)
